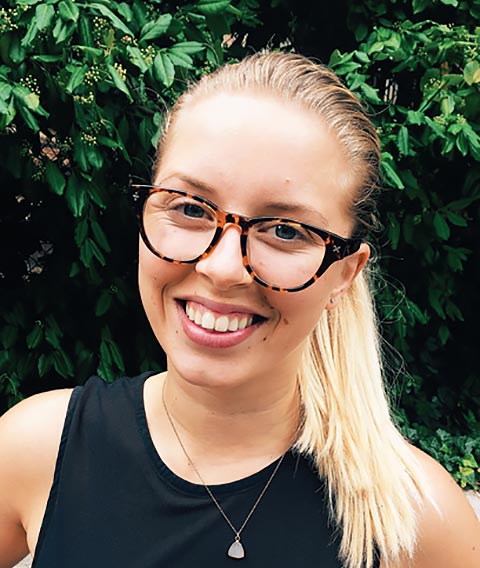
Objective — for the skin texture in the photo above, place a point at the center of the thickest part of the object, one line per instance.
(242, 398)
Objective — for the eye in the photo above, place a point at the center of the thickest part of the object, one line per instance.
(193, 210)
(287, 233)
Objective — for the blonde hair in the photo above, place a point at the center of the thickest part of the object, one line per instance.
(374, 483)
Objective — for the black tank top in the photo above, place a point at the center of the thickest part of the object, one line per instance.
(115, 504)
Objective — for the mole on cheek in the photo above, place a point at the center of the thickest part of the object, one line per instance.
(285, 321)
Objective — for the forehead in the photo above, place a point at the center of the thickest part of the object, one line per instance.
(251, 148)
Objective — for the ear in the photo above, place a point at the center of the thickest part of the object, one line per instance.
(351, 267)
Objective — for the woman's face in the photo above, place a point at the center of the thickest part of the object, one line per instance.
(252, 155)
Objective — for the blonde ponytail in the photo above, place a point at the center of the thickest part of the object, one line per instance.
(374, 482)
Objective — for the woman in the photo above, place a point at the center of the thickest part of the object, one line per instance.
(268, 441)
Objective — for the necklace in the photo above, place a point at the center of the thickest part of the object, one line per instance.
(236, 549)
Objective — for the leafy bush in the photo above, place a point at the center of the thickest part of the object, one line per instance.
(82, 90)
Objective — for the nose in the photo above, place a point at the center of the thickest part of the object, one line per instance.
(224, 265)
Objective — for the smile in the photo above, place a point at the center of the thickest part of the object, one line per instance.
(207, 319)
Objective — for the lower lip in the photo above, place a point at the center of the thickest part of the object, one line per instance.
(212, 338)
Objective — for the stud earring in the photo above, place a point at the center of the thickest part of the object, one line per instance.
(333, 300)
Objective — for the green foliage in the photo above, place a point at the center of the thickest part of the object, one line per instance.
(82, 89)
(421, 82)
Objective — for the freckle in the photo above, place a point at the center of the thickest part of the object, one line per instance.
(285, 321)
(264, 339)
(176, 332)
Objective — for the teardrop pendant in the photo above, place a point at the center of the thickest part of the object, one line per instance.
(236, 550)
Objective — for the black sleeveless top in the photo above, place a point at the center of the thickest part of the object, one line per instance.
(115, 504)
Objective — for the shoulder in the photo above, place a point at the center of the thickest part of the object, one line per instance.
(30, 435)
(449, 531)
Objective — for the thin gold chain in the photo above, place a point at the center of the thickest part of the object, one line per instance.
(207, 488)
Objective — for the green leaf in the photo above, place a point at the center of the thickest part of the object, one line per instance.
(212, 6)
(370, 93)
(48, 58)
(68, 11)
(470, 461)
(136, 57)
(96, 52)
(55, 178)
(5, 91)
(43, 15)
(29, 119)
(4, 110)
(81, 231)
(116, 21)
(392, 176)
(116, 355)
(44, 364)
(453, 3)
(163, 69)
(52, 337)
(443, 334)
(30, 35)
(86, 37)
(75, 195)
(103, 303)
(441, 226)
(76, 78)
(62, 364)
(181, 59)
(393, 232)
(96, 252)
(119, 82)
(188, 47)
(86, 254)
(456, 219)
(461, 143)
(419, 5)
(403, 140)
(157, 28)
(94, 157)
(105, 353)
(125, 11)
(471, 73)
(17, 51)
(100, 236)
(34, 337)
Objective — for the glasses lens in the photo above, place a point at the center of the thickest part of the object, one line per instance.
(284, 254)
(178, 226)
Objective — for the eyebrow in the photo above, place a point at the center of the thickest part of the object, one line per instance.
(273, 207)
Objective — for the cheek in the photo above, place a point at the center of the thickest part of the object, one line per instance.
(299, 312)
(154, 275)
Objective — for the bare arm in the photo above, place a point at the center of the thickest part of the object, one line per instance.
(449, 537)
(29, 440)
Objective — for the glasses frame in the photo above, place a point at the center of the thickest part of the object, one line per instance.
(336, 247)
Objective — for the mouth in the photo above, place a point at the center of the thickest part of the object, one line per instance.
(214, 321)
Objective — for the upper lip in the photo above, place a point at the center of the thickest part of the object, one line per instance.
(219, 307)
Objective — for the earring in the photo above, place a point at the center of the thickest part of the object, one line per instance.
(333, 300)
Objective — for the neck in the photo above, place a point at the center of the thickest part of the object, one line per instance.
(240, 429)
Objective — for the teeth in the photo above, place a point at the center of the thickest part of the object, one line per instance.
(208, 320)
(222, 323)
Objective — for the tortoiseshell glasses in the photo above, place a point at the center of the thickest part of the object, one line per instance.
(281, 254)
